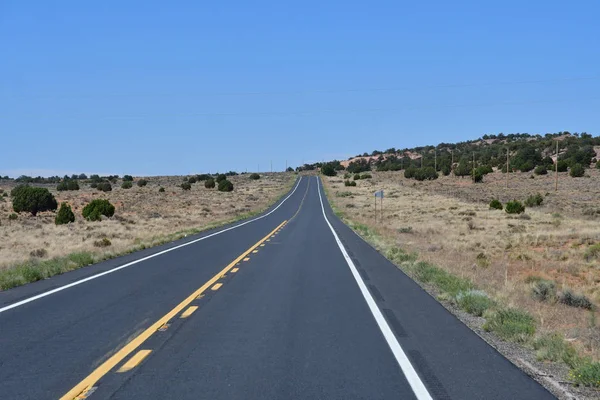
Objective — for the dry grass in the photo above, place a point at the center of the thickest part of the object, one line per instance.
(143, 216)
(449, 224)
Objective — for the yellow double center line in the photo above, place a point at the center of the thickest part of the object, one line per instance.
(81, 389)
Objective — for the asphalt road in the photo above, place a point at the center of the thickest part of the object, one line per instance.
(292, 305)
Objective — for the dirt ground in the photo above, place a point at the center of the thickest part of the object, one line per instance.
(142, 216)
(448, 222)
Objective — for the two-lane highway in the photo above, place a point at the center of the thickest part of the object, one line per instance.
(293, 305)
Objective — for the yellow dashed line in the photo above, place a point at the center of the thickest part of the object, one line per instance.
(189, 311)
(135, 360)
(216, 286)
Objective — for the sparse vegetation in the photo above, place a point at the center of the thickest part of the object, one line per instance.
(186, 186)
(577, 171)
(126, 185)
(104, 186)
(534, 200)
(254, 176)
(221, 178)
(209, 184)
(104, 242)
(572, 299)
(127, 178)
(474, 302)
(540, 170)
(511, 324)
(161, 190)
(349, 183)
(544, 290)
(64, 215)
(143, 182)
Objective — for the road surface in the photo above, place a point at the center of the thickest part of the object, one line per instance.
(291, 305)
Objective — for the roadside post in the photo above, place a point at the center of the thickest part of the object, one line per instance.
(379, 194)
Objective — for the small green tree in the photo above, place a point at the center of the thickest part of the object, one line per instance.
(254, 176)
(96, 208)
(540, 170)
(203, 177)
(328, 170)
(186, 186)
(477, 176)
(72, 185)
(577, 171)
(62, 186)
(142, 182)
(534, 200)
(209, 184)
(128, 178)
(126, 185)
(32, 199)
(221, 177)
(192, 179)
(562, 166)
(225, 186)
(64, 215)
(104, 186)
(495, 204)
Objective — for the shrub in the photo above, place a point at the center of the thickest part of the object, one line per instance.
(511, 324)
(64, 215)
(446, 170)
(496, 205)
(571, 299)
(553, 347)
(587, 374)
(143, 182)
(127, 178)
(366, 176)
(192, 179)
(356, 177)
(104, 186)
(39, 253)
(126, 185)
(598, 165)
(425, 174)
(102, 243)
(409, 172)
(577, 171)
(514, 207)
(203, 177)
(474, 302)
(186, 186)
(485, 169)
(349, 183)
(477, 176)
(535, 200)
(328, 170)
(209, 184)
(540, 170)
(161, 190)
(62, 186)
(544, 290)
(255, 176)
(526, 166)
(592, 252)
(221, 178)
(96, 208)
(94, 185)
(562, 166)
(72, 185)
(13, 217)
(32, 199)
(225, 186)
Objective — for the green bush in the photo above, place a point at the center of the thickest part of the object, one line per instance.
(474, 302)
(209, 184)
(356, 177)
(203, 177)
(13, 217)
(349, 183)
(526, 166)
(161, 190)
(446, 170)
(32, 199)
(104, 186)
(577, 171)
(62, 186)
(514, 207)
(254, 176)
(485, 169)
(562, 166)
(127, 178)
(511, 324)
(126, 185)
(143, 182)
(553, 347)
(104, 242)
(72, 185)
(598, 165)
(221, 178)
(192, 179)
(225, 186)
(186, 186)
(592, 252)
(94, 185)
(366, 176)
(544, 290)
(540, 170)
(64, 215)
(586, 373)
(571, 299)
(535, 200)
(96, 208)
(477, 176)
(347, 175)
(496, 205)
(328, 170)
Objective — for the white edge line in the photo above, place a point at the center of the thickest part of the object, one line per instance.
(411, 375)
(110, 271)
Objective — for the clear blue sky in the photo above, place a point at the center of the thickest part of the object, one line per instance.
(157, 87)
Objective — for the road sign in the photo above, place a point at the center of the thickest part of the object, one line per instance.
(379, 194)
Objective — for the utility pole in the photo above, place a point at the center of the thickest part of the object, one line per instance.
(556, 169)
(507, 166)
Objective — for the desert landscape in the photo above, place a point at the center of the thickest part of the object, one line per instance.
(545, 261)
(144, 217)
